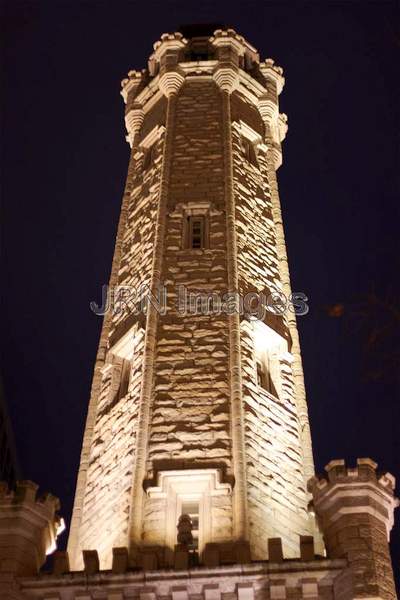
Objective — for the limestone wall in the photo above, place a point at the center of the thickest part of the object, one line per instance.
(190, 415)
(109, 480)
(277, 497)
(188, 382)
(108, 490)
(190, 420)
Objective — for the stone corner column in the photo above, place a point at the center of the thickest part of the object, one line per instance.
(275, 130)
(355, 509)
(229, 48)
(134, 113)
(166, 57)
(29, 527)
(268, 105)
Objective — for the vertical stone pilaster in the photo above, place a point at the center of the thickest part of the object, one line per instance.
(151, 329)
(170, 82)
(226, 78)
(268, 108)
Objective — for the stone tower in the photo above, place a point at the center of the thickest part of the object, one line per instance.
(205, 409)
(198, 405)
(196, 479)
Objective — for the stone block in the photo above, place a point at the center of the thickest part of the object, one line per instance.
(307, 547)
(245, 591)
(148, 596)
(211, 555)
(277, 590)
(90, 561)
(180, 593)
(120, 560)
(60, 563)
(310, 590)
(242, 552)
(275, 552)
(181, 558)
(149, 561)
(212, 592)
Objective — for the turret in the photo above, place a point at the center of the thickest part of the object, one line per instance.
(29, 526)
(355, 508)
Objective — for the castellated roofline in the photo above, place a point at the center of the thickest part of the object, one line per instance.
(228, 59)
(175, 42)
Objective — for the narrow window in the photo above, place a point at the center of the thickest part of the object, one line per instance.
(125, 378)
(191, 508)
(264, 375)
(260, 374)
(196, 232)
(249, 151)
(148, 158)
(121, 375)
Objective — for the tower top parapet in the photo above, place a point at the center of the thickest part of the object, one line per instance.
(212, 51)
(199, 43)
(337, 472)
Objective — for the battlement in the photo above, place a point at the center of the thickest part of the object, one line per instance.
(222, 40)
(29, 526)
(291, 579)
(365, 471)
(307, 576)
(355, 508)
(214, 555)
(26, 493)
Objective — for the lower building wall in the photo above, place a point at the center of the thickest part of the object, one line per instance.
(259, 581)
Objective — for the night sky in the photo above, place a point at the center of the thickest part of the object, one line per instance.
(64, 162)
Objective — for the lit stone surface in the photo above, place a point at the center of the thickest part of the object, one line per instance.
(205, 415)
(205, 139)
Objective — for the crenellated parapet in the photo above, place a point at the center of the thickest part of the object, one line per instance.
(228, 59)
(307, 576)
(355, 507)
(29, 526)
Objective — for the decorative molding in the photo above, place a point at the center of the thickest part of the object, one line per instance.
(212, 478)
(170, 82)
(198, 485)
(155, 134)
(249, 133)
(226, 78)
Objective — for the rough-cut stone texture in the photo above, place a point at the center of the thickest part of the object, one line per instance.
(194, 402)
(190, 418)
(276, 495)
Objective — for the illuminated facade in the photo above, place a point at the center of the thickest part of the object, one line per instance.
(202, 412)
(201, 211)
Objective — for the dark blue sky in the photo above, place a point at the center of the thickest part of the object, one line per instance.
(64, 164)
